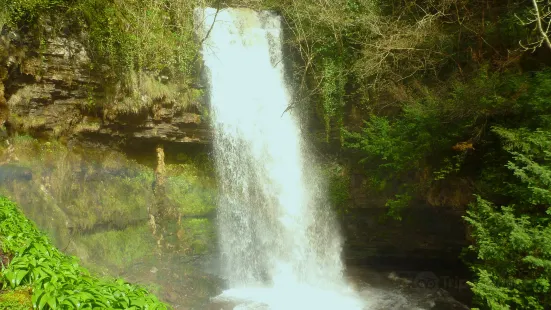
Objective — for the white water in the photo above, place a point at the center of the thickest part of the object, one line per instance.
(279, 242)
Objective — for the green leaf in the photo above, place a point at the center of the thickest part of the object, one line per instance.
(52, 302)
(43, 301)
(19, 276)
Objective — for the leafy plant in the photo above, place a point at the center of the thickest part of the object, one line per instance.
(429, 141)
(57, 280)
(512, 243)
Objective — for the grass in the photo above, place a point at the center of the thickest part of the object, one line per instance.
(142, 90)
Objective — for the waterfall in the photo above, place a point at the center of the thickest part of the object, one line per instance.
(279, 242)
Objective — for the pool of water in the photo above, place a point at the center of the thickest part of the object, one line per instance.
(369, 290)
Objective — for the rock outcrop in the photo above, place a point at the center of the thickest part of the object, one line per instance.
(54, 93)
(424, 235)
(427, 235)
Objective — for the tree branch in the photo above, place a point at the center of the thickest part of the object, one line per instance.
(212, 25)
(542, 32)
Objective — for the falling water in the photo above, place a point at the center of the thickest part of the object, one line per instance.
(279, 243)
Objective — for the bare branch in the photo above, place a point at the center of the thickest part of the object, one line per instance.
(541, 14)
(539, 18)
(213, 22)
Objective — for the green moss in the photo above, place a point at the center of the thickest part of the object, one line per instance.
(118, 248)
(85, 187)
(191, 188)
(95, 205)
(16, 299)
(197, 234)
(117, 251)
(190, 198)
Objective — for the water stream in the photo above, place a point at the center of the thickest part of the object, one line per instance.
(279, 242)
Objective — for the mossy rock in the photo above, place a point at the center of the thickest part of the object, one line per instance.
(18, 299)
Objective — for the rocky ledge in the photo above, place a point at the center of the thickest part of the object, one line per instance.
(55, 93)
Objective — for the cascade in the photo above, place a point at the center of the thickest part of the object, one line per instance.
(279, 242)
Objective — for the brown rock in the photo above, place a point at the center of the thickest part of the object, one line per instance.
(56, 94)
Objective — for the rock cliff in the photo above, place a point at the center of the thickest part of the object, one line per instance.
(48, 89)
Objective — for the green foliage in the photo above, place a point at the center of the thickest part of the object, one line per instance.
(391, 151)
(450, 166)
(396, 146)
(513, 243)
(530, 155)
(332, 93)
(338, 187)
(397, 204)
(28, 11)
(145, 50)
(326, 36)
(514, 257)
(499, 121)
(126, 35)
(145, 44)
(431, 137)
(58, 282)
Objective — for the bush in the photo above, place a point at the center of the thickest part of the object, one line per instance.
(512, 243)
(514, 257)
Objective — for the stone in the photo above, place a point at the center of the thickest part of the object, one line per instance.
(48, 94)
(11, 172)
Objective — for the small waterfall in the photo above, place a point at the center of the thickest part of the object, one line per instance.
(279, 242)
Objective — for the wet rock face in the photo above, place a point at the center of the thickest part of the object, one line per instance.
(426, 237)
(50, 90)
(14, 173)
